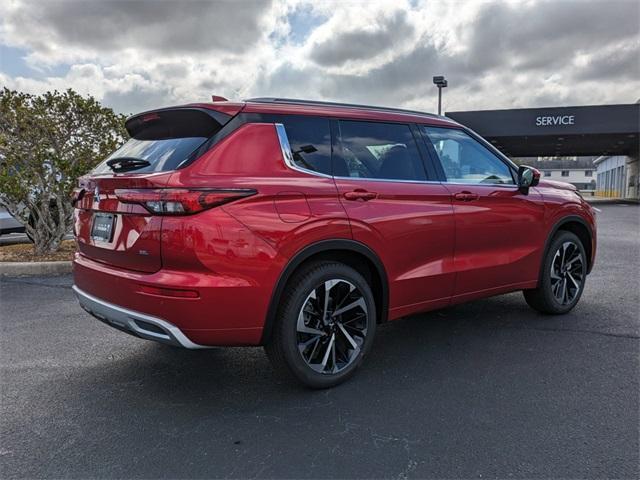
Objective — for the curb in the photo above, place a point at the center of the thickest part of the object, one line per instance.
(27, 269)
(611, 201)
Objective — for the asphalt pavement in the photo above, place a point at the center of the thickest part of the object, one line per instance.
(490, 389)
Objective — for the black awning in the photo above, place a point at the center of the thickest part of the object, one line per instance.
(558, 131)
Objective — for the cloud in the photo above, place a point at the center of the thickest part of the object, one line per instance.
(545, 35)
(620, 63)
(362, 43)
(138, 55)
(163, 27)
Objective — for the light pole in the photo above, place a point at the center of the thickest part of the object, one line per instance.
(441, 83)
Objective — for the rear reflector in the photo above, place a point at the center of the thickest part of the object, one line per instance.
(181, 201)
(168, 292)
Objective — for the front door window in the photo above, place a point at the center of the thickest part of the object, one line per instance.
(465, 160)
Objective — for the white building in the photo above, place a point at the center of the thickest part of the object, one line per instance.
(581, 172)
(617, 177)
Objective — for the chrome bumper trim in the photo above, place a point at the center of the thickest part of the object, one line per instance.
(125, 319)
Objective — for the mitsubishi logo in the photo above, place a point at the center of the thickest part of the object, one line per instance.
(96, 195)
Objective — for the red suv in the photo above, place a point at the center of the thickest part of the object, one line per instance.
(302, 225)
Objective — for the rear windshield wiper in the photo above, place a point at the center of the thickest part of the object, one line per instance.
(126, 164)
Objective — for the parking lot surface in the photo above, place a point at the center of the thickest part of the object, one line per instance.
(486, 389)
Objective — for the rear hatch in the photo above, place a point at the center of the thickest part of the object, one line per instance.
(118, 216)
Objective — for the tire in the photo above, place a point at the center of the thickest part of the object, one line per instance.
(316, 347)
(564, 272)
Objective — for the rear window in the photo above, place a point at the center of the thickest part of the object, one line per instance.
(165, 139)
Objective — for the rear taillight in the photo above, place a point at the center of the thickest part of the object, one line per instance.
(181, 201)
(77, 195)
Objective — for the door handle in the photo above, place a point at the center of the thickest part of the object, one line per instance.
(360, 194)
(465, 196)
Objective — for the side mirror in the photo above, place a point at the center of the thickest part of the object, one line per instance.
(527, 177)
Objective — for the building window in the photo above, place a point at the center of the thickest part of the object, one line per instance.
(565, 173)
(547, 173)
(588, 173)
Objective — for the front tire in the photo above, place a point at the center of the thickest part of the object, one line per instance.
(325, 325)
(564, 272)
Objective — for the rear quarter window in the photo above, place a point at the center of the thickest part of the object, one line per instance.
(310, 141)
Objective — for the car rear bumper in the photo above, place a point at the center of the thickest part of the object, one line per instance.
(135, 323)
(226, 311)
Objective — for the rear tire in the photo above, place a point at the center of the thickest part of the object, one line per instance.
(563, 276)
(322, 343)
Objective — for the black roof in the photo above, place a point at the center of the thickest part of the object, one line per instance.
(295, 101)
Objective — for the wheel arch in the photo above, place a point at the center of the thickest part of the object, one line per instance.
(352, 253)
(574, 224)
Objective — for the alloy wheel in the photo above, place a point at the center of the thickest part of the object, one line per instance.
(332, 326)
(567, 273)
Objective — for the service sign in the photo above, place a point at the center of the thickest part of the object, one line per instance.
(542, 121)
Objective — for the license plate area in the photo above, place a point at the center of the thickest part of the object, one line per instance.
(102, 228)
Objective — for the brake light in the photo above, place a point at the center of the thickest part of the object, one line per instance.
(77, 195)
(150, 117)
(181, 201)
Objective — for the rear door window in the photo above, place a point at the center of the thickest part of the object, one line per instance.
(385, 151)
(165, 139)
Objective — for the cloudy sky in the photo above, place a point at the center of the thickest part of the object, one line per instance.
(134, 55)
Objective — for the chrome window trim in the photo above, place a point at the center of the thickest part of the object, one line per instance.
(502, 185)
(287, 154)
(387, 180)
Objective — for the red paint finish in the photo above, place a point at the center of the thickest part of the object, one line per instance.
(499, 238)
(213, 273)
(411, 227)
(136, 233)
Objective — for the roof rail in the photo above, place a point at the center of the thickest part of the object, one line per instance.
(295, 101)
